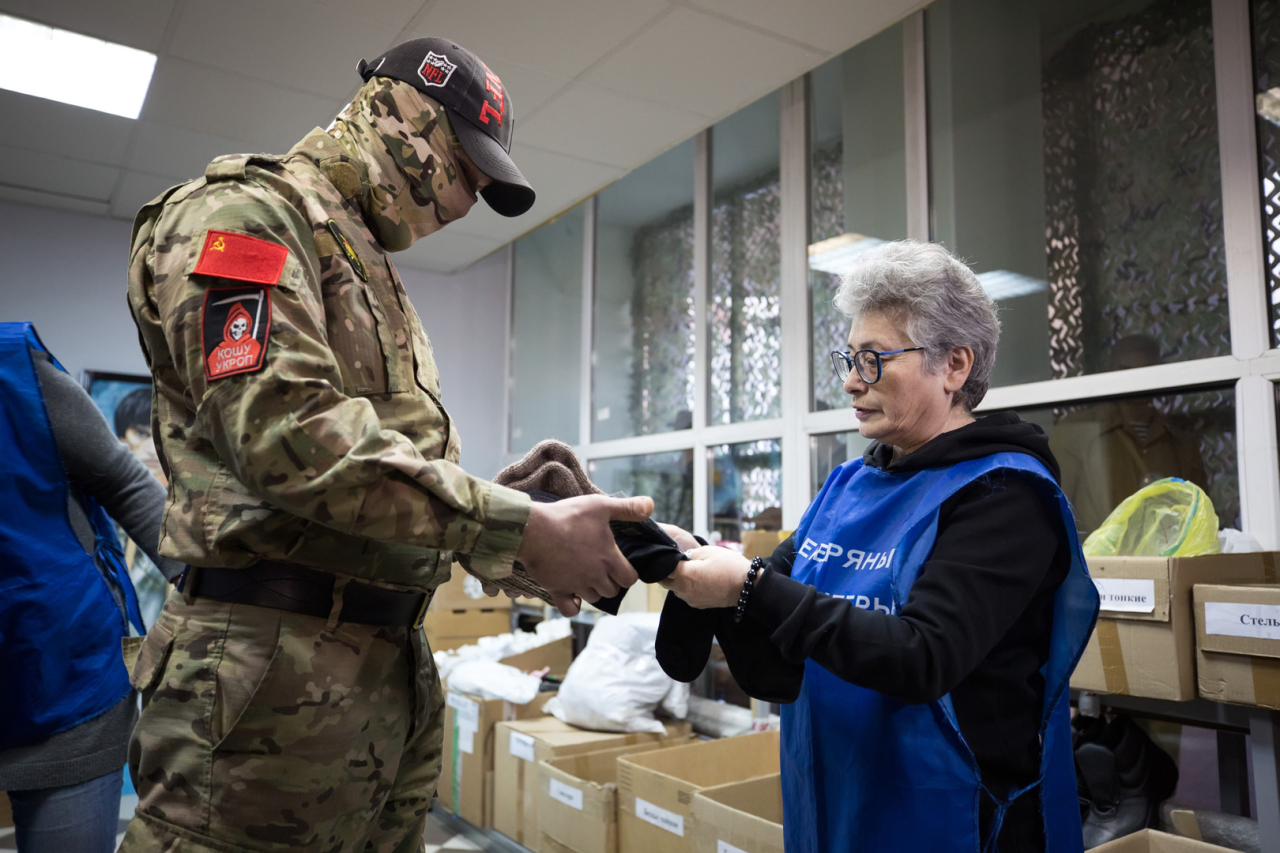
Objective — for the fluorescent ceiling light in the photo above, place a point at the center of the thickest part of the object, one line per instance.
(73, 69)
(836, 255)
(1002, 284)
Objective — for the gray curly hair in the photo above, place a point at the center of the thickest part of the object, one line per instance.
(939, 298)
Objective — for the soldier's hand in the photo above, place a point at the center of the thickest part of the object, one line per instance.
(569, 548)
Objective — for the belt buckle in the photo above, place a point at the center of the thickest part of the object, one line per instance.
(422, 611)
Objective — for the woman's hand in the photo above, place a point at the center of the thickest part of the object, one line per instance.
(713, 577)
(684, 539)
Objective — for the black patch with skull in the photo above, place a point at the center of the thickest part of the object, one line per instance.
(235, 327)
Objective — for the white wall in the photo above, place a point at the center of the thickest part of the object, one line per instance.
(465, 317)
(68, 272)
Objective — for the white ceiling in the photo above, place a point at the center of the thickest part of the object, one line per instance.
(598, 87)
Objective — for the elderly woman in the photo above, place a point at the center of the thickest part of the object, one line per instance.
(933, 600)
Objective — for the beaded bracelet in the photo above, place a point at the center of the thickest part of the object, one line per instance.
(757, 566)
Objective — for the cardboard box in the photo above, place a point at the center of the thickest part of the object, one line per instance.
(519, 746)
(655, 789)
(1151, 841)
(452, 595)
(449, 629)
(743, 817)
(1144, 644)
(578, 800)
(761, 543)
(466, 774)
(1238, 643)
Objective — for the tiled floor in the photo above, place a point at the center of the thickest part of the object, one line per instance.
(438, 835)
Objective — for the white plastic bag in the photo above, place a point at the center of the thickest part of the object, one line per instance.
(491, 680)
(616, 683)
(1235, 542)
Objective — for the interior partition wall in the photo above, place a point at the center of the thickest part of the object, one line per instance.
(1120, 218)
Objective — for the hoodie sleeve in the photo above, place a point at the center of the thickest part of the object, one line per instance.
(995, 549)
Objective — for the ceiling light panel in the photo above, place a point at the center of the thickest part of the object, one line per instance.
(73, 69)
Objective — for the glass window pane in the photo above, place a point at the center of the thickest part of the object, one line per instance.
(745, 484)
(1108, 450)
(829, 451)
(546, 331)
(665, 477)
(642, 378)
(1074, 164)
(743, 302)
(1266, 60)
(858, 182)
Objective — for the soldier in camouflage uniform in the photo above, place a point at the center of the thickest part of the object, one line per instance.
(290, 700)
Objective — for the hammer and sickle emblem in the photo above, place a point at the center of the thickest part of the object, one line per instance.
(219, 245)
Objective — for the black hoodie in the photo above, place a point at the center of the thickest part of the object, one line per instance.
(976, 623)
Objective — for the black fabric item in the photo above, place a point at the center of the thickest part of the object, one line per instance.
(652, 553)
(683, 645)
(976, 623)
(299, 589)
(479, 108)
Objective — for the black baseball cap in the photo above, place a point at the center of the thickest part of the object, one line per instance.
(478, 105)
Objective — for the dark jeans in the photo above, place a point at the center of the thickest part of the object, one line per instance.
(82, 818)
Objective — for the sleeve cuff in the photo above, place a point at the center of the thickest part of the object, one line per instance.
(775, 597)
(505, 517)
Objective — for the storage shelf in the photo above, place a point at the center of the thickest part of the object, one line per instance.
(1262, 726)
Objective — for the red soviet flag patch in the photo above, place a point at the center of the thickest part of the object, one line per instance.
(227, 254)
(235, 326)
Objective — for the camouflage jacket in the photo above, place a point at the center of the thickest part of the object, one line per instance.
(300, 420)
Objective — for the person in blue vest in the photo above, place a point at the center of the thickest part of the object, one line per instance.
(65, 601)
(933, 601)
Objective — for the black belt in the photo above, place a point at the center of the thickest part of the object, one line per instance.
(299, 589)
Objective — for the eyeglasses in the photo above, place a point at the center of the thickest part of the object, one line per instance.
(867, 362)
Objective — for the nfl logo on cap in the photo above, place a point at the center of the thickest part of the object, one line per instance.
(436, 69)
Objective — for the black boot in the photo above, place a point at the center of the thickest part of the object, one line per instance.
(1127, 777)
(1085, 729)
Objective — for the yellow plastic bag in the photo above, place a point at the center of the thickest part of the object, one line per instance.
(1169, 518)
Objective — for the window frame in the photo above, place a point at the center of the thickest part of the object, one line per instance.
(1253, 366)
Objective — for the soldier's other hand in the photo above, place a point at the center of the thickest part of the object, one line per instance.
(569, 548)
(493, 590)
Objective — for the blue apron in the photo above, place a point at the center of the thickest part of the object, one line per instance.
(60, 623)
(864, 772)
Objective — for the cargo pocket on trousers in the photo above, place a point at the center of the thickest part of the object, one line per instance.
(250, 648)
(151, 658)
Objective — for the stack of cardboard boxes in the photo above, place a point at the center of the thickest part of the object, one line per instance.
(1145, 640)
(466, 776)
(456, 619)
(519, 748)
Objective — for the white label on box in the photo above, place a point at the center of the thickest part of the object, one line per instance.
(466, 738)
(466, 710)
(1127, 595)
(1237, 619)
(521, 746)
(567, 794)
(660, 817)
(726, 847)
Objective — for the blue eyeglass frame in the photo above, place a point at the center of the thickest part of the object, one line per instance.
(849, 362)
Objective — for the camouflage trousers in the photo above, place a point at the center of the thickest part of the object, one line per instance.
(271, 731)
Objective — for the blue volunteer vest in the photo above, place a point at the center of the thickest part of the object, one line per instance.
(863, 772)
(60, 625)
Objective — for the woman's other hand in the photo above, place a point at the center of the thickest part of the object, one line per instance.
(683, 538)
(712, 577)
